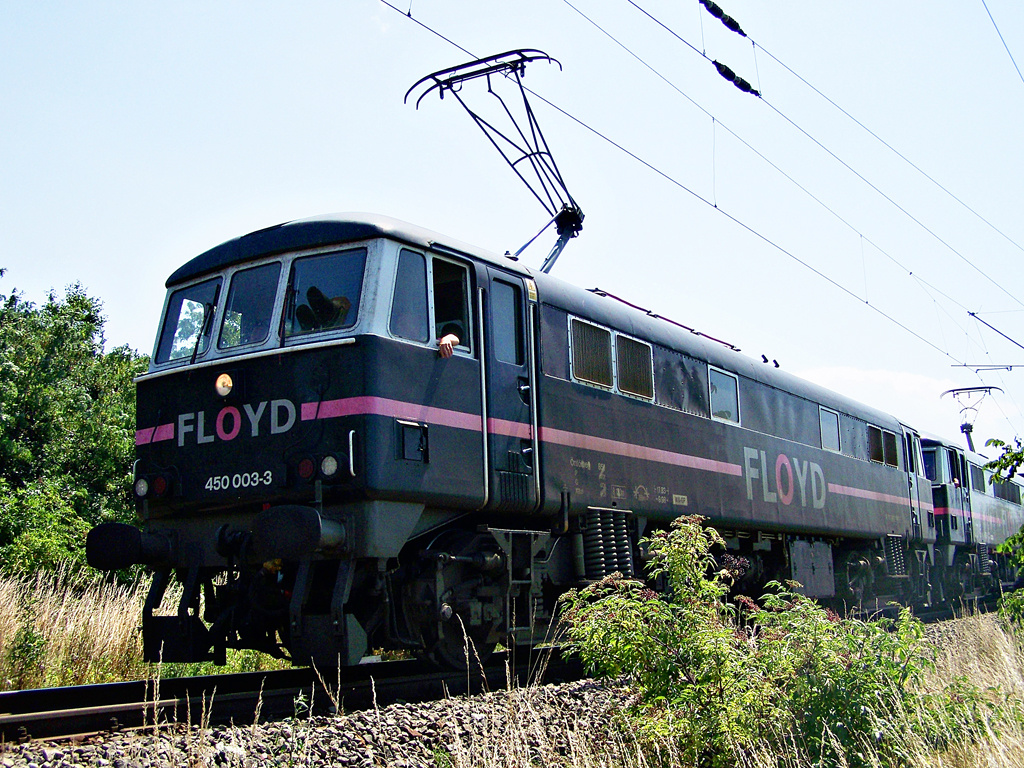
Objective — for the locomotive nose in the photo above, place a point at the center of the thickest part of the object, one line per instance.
(113, 546)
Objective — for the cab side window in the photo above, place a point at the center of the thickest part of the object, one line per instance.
(409, 309)
(451, 301)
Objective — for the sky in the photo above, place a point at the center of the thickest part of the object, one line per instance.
(859, 221)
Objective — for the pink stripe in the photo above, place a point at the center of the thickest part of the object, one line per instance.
(510, 428)
(987, 519)
(861, 493)
(588, 442)
(382, 406)
(154, 434)
(379, 406)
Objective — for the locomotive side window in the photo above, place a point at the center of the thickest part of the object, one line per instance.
(876, 452)
(506, 304)
(1007, 492)
(930, 468)
(977, 478)
(250, 306)
(409, 308)
(724, 396)
(829, 429)
(953, 464)
(889, 449)
(189, 321)
(591, 352)
(634, 367)
(451, 301)
(324, 291)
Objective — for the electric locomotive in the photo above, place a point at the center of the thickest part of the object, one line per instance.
(322, 482)
(973, 516)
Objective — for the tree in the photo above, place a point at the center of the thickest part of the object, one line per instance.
(67, 426)
(1007, 464)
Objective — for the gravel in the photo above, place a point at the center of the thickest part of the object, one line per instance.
(541, 725)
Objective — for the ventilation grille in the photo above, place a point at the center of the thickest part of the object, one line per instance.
(606, 546)
(591, 353)
(984, 559)
(895, 561)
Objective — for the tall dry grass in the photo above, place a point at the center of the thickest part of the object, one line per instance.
(59, 630)
(62, 629)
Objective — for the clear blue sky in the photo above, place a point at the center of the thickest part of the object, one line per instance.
(135, 136)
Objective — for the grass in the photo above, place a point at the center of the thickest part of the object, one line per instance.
(57, 630)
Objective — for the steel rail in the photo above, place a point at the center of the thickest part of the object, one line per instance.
(78, 711)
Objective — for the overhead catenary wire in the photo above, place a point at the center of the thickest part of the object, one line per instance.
(924, 284)
(798, 76)
(799, 128)
(930, 288)
(1002, 40)
(707, 202)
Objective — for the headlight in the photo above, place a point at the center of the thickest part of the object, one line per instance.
(224, 385)
(141, 487)
(329, 466)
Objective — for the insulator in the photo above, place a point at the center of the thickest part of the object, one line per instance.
(730, 23)
(713, 8)
(731, 76)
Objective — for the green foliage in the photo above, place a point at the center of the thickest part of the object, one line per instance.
(1011, 607)
(722, 679)
(67, 424)
(1005, 465)
(25, 655)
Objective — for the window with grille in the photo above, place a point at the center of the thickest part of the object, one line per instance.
(978, 479)
(875, 449)
(591, 353)
(634, 365)
(889, 449)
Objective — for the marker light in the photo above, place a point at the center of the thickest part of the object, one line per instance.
(306, 469)
(159, 485)
(224, 385)
(329, 466)
(141, 487)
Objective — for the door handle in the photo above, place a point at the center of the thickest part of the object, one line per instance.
(524, 391)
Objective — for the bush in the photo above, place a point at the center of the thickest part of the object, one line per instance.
(724, 679)
(67, 429)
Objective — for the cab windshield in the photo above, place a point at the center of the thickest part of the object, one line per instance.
(189, 321)
(324, 291)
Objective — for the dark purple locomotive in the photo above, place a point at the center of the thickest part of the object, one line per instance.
(321, 481)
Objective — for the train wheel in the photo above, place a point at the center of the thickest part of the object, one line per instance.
(920, 587)
(854, 578)
(958, 579)
(456, 604)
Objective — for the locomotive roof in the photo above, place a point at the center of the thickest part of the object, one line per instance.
(644, 325)
(330, 229)
(320, 231)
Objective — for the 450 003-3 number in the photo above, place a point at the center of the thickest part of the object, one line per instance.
(240, 480)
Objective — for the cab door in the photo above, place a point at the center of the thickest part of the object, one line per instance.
(510, 393)
(922, 524)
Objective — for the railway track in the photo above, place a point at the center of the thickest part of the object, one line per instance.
(80, 711)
